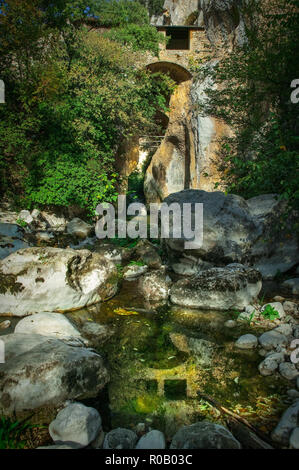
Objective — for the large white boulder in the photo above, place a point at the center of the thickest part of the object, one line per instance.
(52, 279)
(237, 231)
(218, 288)
(42, 373)
(54, 325)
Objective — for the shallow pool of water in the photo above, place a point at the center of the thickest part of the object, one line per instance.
(164, 359)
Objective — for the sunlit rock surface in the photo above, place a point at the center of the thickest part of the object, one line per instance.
(52, 279)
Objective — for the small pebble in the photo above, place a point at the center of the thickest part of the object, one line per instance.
(5, 324)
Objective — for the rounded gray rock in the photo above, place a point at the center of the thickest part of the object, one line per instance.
(271, 339)
(288, 370)
(120, 438)
(204, 435)
(247, 342)
(77, 425)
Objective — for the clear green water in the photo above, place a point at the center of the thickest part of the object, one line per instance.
(160, 380)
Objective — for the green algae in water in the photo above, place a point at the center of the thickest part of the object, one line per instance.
(144, 364)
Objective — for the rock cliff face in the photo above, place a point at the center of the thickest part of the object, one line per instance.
(222, 19)
(179, 12)
(173, 165)
(188, 157)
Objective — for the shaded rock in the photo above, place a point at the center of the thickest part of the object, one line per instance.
(218, 288)
(230, 324)
(290, 307)
(42, 372)
(45, 237)
(147, 253)
(292, 285)
(57, 447)
(287, 423)
(204, 435)
(120, 438)
(11, 239)
(284, 329)
(76, 424)
(294, 439)
(224, 23)
(152, 440)
(56, 222)
(288, 370)
(155, 285)
(247, 342)
(79, 229)
(188, 266)
(294, 394)
(180, 341)
(134, 271)
(53, 279)
(53, 325)
(111, 253)
(239, 231)
(271, 339)
(229, 228)
(270, 364)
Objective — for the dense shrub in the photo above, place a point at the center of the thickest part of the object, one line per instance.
(254, 98)
(72, 97)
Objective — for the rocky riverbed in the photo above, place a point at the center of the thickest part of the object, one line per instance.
(115, 335)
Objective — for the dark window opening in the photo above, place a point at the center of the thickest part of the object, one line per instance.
(152, 386)
(175, 389)
(179, 39)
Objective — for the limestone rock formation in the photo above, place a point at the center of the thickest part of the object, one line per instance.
(52, 279)
(171, 167)
(237, 231)
(218, 288)
(178, 13)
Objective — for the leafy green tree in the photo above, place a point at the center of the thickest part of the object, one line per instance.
(73, 96)
(120, 12)
(140, 38)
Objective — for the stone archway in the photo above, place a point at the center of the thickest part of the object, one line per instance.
(177, 72)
